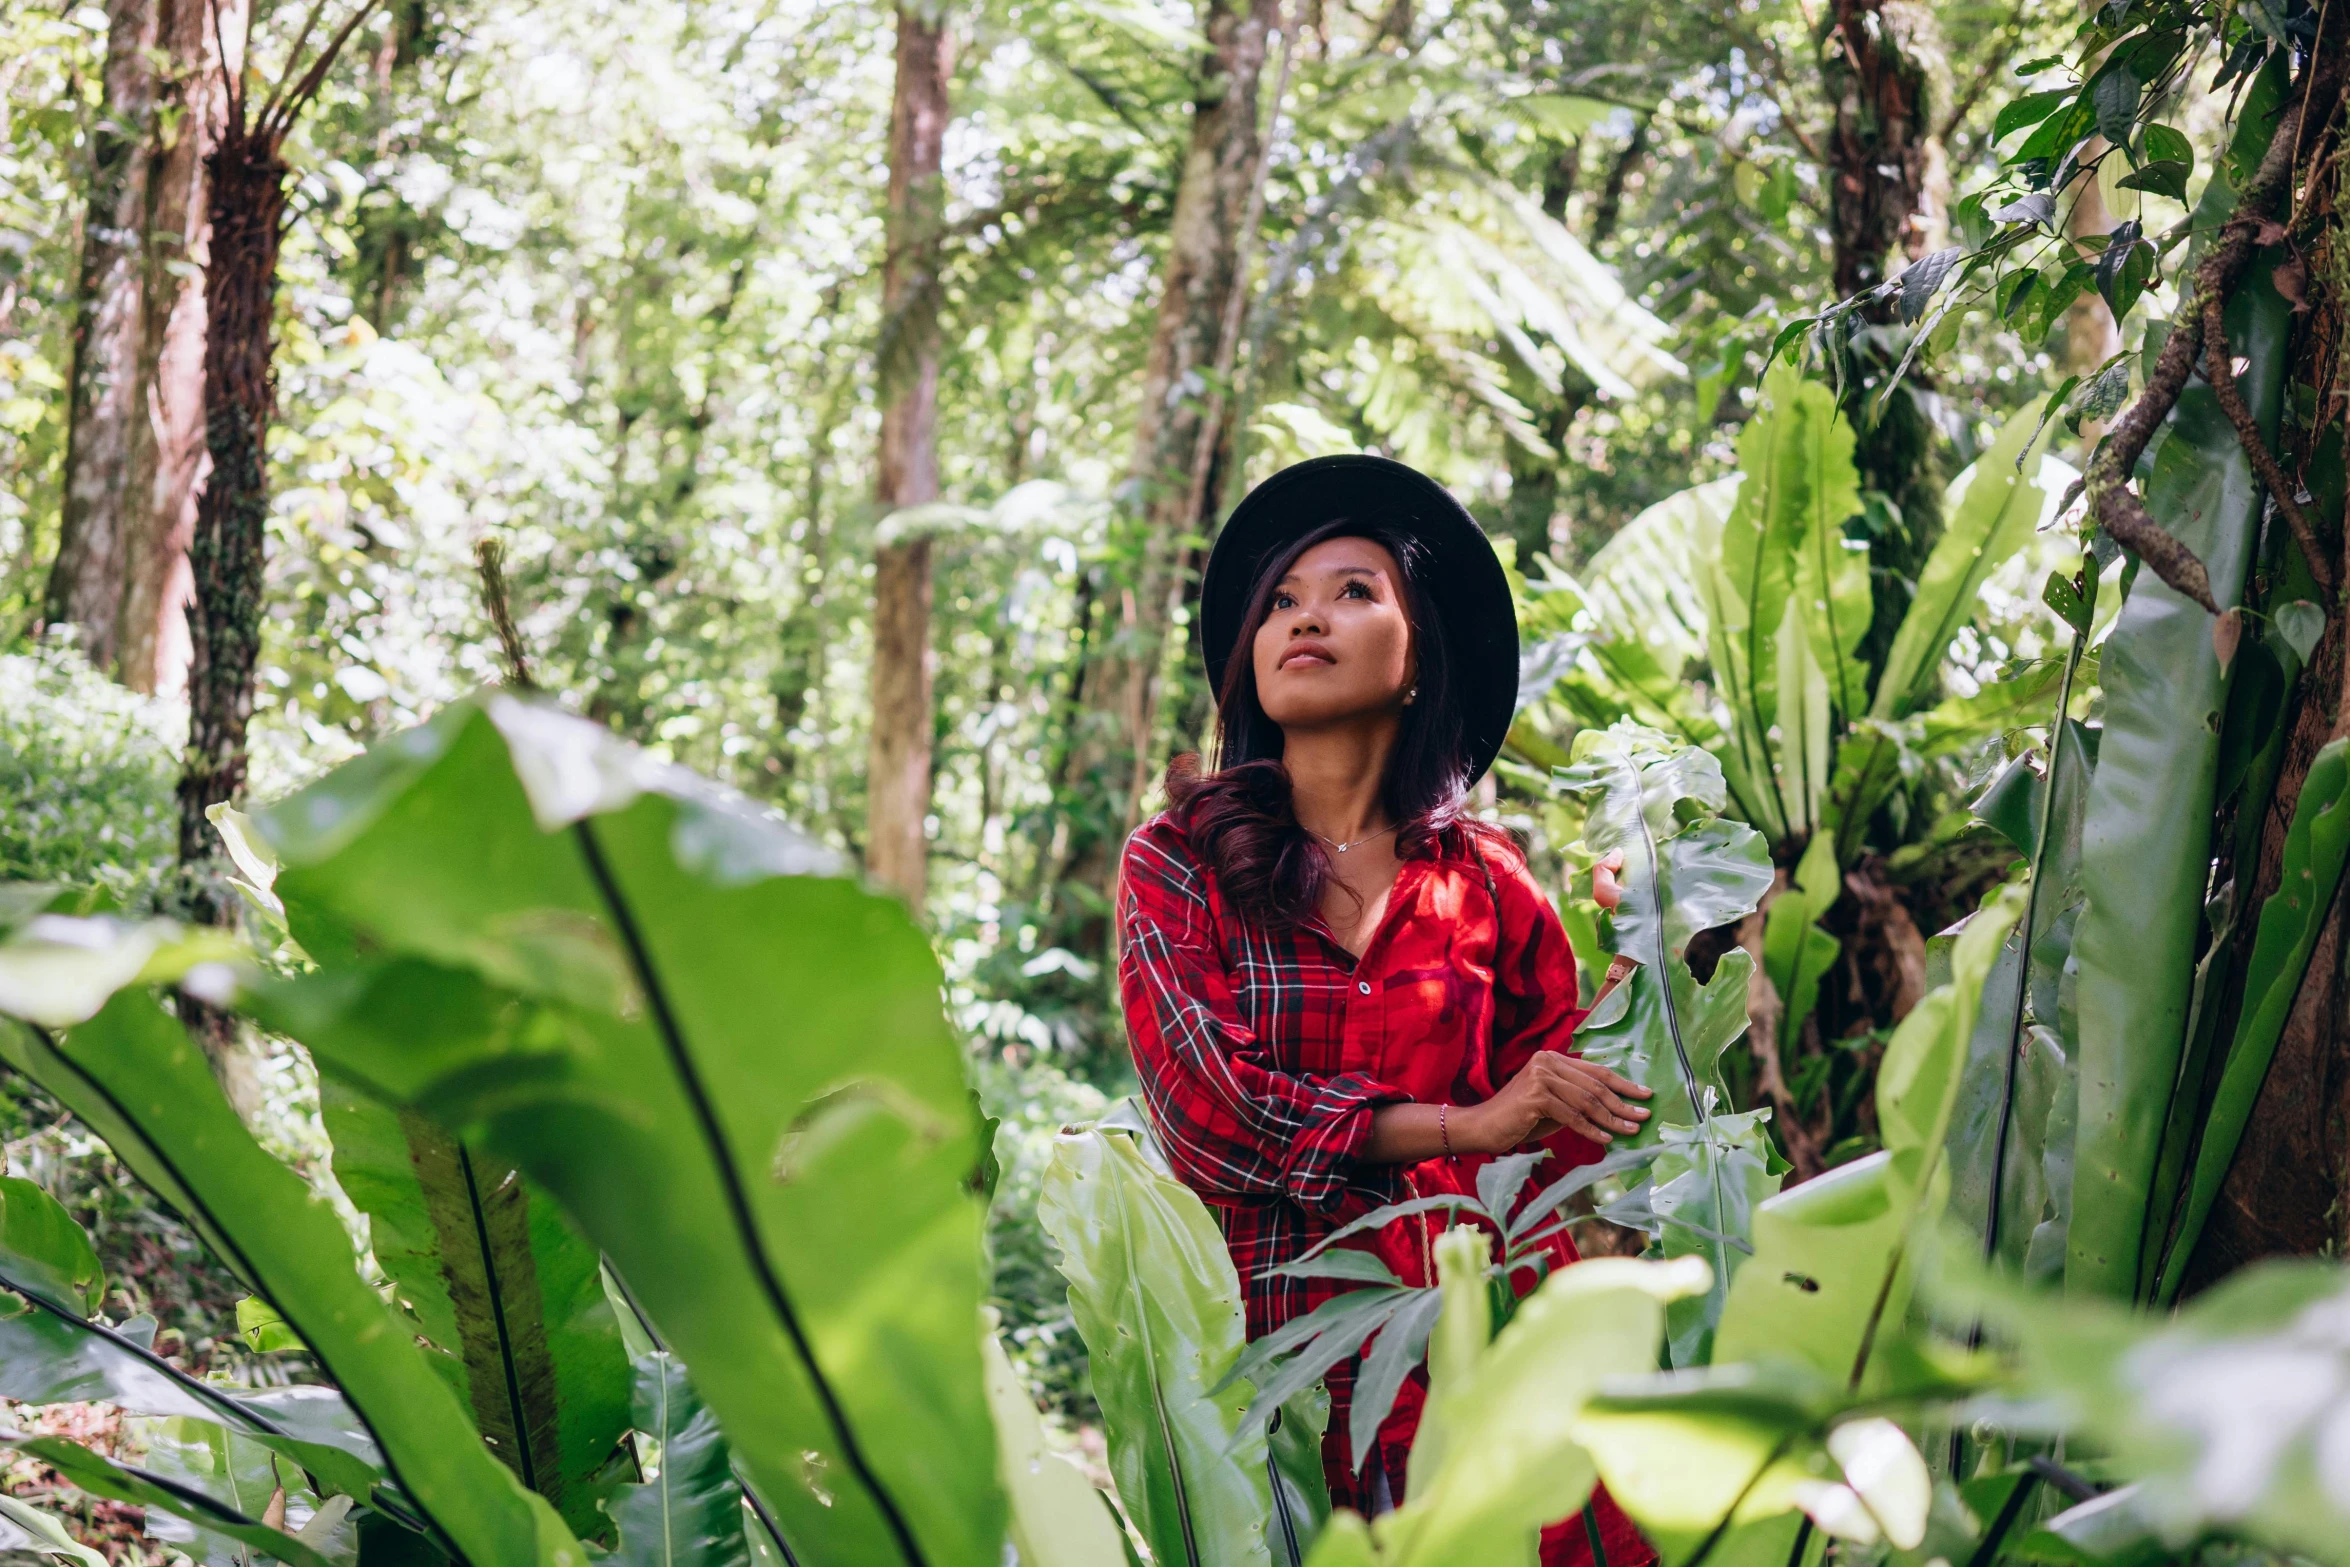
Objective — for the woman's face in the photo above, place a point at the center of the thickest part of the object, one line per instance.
(1337, 645)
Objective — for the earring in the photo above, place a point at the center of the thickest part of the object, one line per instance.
(1411, 695)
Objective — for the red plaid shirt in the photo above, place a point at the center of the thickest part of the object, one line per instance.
(1263, 1053)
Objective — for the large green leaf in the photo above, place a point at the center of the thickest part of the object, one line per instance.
(1829, 1270)
(2147, 839)
(1514, 1458)
(132, 1073)
(1159, 1306)
(1819, 1254)
(102, 1476)
(2018, 1065)
(727, 1064)
(49, 1356)
(1685, 870)
(506, 1295)
(43, 1249)
(2316, 845)
(1796, 459)
(1992, 519)
(1058, 1518)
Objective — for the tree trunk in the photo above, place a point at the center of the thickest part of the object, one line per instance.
(1171, 500)
(898, 776)
(240, 399)
(1873, 56)
(134, 442)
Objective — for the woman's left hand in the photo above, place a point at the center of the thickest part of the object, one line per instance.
(1604, 890)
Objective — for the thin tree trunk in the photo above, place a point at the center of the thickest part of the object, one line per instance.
(1196, 293)
(898, 774)
(240, 399)
(1873, 58)
(134, 439)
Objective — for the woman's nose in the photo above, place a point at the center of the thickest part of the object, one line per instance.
(1305, 623)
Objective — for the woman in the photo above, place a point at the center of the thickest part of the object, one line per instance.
(1340, 989)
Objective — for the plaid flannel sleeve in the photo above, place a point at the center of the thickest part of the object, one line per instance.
(1233, 1124)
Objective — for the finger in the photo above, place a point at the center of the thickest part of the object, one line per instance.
(1624, 1085)
(1582, 1127)
(1605, 1108)
(1613, 859)
(1604, 890)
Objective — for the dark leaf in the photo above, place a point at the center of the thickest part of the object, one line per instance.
(2014, 290)
(2120, 245)
(2107, 390)
(2167, 177)
(1342, 1264)
(1400, 1345)
(2115, 95)
(1922, 279)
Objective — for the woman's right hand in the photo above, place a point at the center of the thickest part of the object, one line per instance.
(1551, 1091)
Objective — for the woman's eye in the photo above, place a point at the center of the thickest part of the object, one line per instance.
(1355, 590)
(1284, 601)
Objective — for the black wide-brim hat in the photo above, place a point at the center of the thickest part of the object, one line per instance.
(1458, 570)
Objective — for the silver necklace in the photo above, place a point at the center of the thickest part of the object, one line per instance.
(1357, 843)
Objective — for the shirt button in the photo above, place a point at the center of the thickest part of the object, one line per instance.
(1364, 986)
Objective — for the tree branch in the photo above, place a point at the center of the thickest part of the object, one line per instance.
(2222, 376)
(2118, 511)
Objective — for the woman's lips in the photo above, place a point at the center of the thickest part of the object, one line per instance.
(1307, 653)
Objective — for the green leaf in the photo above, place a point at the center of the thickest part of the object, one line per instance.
(1706, 1184)
(43, 1249)
(1992, 519)
(1159, 1306)
(134, 1075)
(1796, 456)
(1796, 952)
(1058, 1518)
(728, 1066)
(1703, 1021)
(262, 1329)
(48, 1535)
(504, 1292)
(1514, 1458)
(2162, 177)
(2114, 95)
(2030, 109)
(2018, 1071)
(1686, 869)
(2316, 845)
(692, 1510)
(2147, 837)
(1819, 1254)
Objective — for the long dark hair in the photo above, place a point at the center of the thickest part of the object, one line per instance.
(1240, 818)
